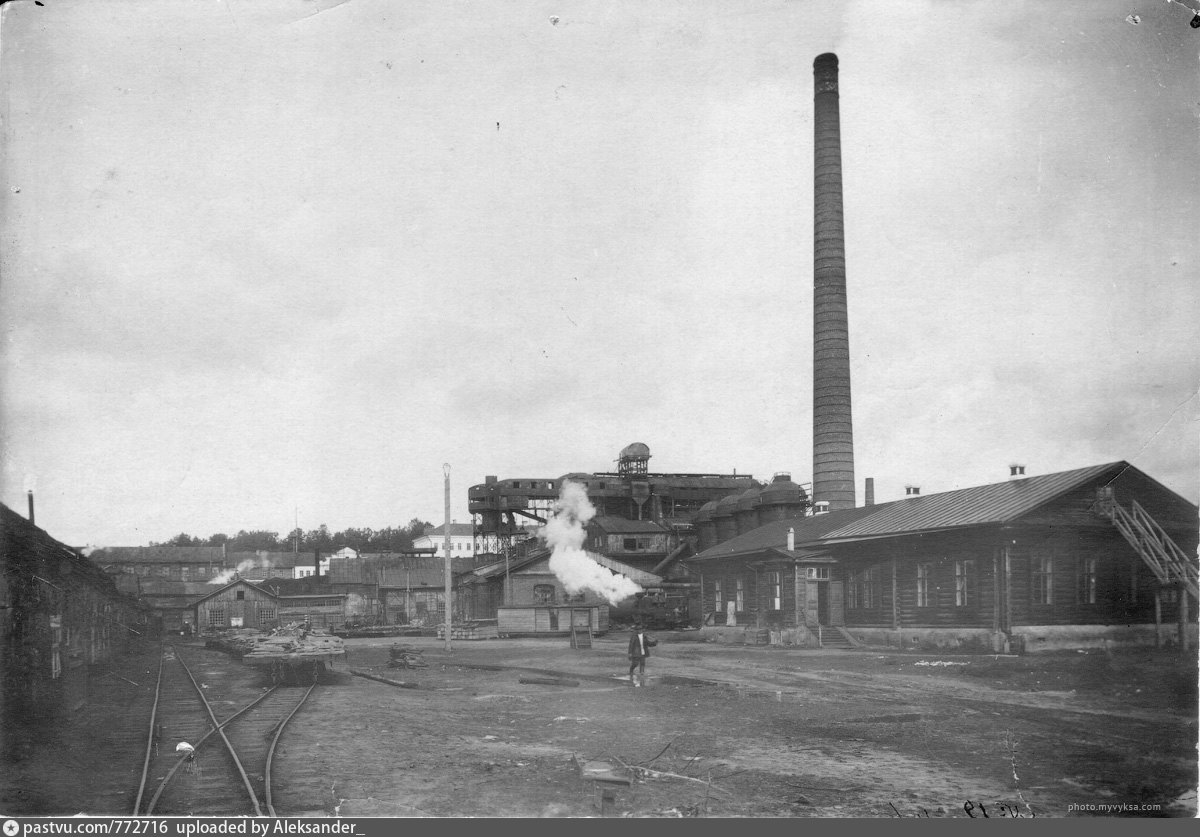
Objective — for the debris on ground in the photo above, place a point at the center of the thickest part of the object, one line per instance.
(405, 656)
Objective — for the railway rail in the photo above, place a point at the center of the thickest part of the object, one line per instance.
(210, 749)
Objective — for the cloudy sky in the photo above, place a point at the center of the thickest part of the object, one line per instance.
(286, 258)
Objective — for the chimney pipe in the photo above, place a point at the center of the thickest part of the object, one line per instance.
(869, 495)
(833, 434)
(30, 493)
(791, 539)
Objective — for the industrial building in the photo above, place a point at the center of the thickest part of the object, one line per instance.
(1103, 553)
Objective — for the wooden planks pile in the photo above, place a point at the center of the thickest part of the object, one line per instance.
(294, 643)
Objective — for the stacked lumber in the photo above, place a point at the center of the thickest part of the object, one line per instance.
(294, 643)
(470, 630)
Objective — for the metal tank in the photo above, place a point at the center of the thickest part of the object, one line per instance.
(782, 499)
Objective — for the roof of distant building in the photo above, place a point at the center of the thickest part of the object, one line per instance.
(464, 530)
(158, 554)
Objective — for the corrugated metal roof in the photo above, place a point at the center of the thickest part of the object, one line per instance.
(773, 535)
(999, 502)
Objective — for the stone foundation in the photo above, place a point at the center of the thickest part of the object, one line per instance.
(1025, 639)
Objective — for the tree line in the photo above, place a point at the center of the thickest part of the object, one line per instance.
(391, 539)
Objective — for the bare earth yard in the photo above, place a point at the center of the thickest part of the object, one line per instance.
(719, 730)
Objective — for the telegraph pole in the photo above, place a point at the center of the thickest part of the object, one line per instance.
(446, 471)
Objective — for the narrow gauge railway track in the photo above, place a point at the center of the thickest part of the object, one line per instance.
(233, 723)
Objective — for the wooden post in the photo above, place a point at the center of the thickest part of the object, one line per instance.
(1158, 637)
(446, 471)
(1183, 618)
(895, 598)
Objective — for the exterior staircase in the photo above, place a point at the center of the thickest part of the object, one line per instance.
(581, 636)
(835, 637)
(1169, 563)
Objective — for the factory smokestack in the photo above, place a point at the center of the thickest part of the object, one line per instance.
(833, 434)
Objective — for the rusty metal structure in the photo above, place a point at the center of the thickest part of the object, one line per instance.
(505, 512)
(833, 434)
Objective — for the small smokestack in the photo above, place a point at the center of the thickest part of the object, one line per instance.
(869, 495)
(833, 435)
(1016, 472)
(30, 493)
(912, 490)
(317, 562)
(791, 539)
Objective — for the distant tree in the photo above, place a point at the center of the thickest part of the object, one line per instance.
(219, 539)
(356, 539)
(416, 528)
(253, 541)
(184, 539)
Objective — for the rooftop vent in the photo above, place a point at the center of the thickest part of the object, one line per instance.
(1015, 472)
(821, 507)
(912, 490)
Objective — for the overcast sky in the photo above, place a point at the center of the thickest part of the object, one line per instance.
(285, 258)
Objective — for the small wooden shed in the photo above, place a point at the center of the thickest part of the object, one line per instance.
(239, 604)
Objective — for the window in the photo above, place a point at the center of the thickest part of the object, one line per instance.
(1085, 588)
(183, 573)
(266, 613)
(629, 544)
(817, 573)
(775, 583)
(924, 572)
(964, 581)
(1042, 583)
(56, 643)
(861, 593)
(718, 598)
(241, 595)
(543, 594)
(216, 616)
(740, 593)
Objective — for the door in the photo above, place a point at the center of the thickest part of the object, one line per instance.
(731, 613)
(554, 619)
(822, 602)
(837, 604)
(810, 601)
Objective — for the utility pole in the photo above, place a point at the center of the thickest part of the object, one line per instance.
(446, 471)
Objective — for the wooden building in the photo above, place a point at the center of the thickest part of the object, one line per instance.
(61, 616)
(1035, 563)
(173, 563)
(239, 604)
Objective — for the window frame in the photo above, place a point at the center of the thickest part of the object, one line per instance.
(924, 576)
(964, 583)
(1041, 578)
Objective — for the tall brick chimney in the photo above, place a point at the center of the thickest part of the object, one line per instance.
(833, 434)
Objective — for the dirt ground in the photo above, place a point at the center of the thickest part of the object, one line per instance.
(718, 731)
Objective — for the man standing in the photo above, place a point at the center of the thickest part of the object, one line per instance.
(640, 644)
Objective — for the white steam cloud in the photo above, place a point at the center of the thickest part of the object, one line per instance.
(564, 533)
(227, 576)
